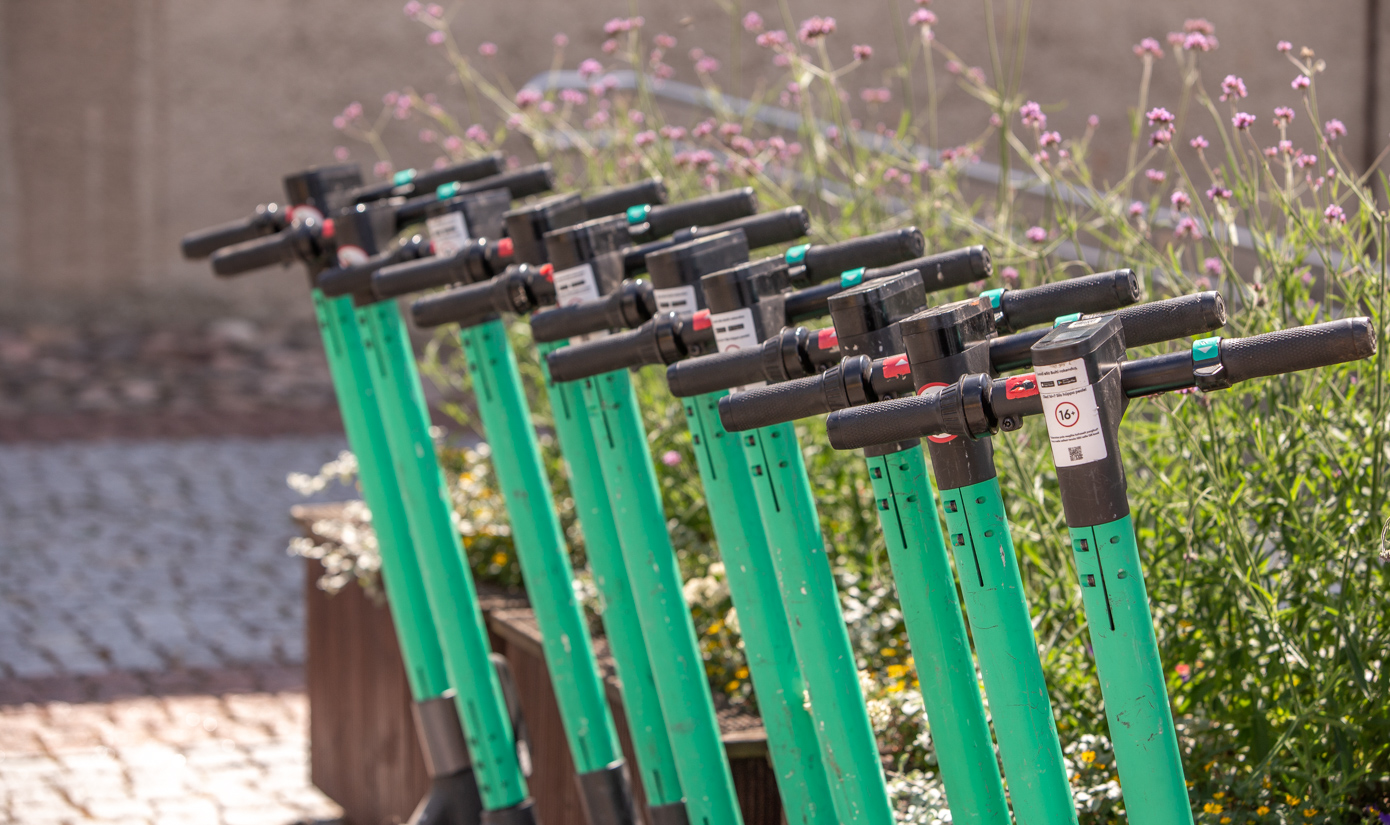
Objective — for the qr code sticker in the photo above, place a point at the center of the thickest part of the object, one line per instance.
(1074, 453)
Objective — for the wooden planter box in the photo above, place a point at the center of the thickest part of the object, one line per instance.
(362, 747)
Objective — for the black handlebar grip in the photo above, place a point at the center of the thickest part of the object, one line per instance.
(1089, 293)
(419, 275)
(621, 350)
(886, 422)
(767, 228)
(255, 254)
(719, 371)
(704, 211)
(466, 305)
(1168, 320)
(522, 183)
(830, 260)
(202, 243)
(560, 323)
(464, 172)
(1300, 348)
(774, 404)
(619, 199)
(943, 270)
(350, 280)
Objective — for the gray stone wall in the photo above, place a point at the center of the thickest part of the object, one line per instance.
(125, 124)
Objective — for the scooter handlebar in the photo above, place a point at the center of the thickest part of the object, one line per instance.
(256, 254)
(882, 249)
(204, 242)
(1102, 292)
(704, 211)
(1299, 348)
(621, 350)
(719, 371)
(620, 198)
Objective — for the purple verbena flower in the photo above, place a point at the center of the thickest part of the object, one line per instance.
(1334, 214)
(922, 17)
(814, 28)
(1301, 82)
(436, 38)
(1036, 234)
(1008, 275)
(560, 40)
(1187, 229)
(1158, 115)
(636, 116)
(875, 95)
(573, 97)
(1156, 175)
(1199, 143)
(453, 143)
(428, 136)
(664, 41)
(477, 134)
(1286, 146)
(1148, 46)
(1217, 192)
(1092, 121)
(382, 168)
(1304, 160)
(1161, 137)
(487, 49)
(673, 132)
(1334, 129)
(1199, 42)
(341, 153)
(777, 38)
(1284, 46)
(1232, 88)
(528, 97)
(610, 46)
(1050, 139)
(1213, 266)
(1242, 120)
(1283, 115)
(1180, 200)
(707, 65)
(623, 24)
(644, 138)
(753, 22)
(863, 52)
(671, 458)
(1136, 209)
(1033, 114)
(413, 9)
(435, 10)
(1198, 24)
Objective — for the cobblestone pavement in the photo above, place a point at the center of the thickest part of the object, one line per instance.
(151, 632)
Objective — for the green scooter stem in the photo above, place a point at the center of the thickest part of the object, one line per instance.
(686, 703)
(802, 780)
(997, 607)
(400, 573)
(807, 584)
(656, 764)
(541, 550)
(448, 582)
(936, 630)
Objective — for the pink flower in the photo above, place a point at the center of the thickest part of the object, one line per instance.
(477, 134)
(527, 98)
(1159, 115)
(1187, 229)
(923, 167)
(703, 128)
(453, 143)
(1199, 143)
(487, 49)
(1136, 209)
(1175, 38)
(1286, 146)
(1033, 114)
(1283, 115)
(573, 97)
(875, 95)
(560, 40)
(671, 458)
(863, 52)
(1092, 122)
(1303, 161)
(1334, 214)
(341, 153)
(922, 17)
(644, 138)
(1041, 156)
(1156, 175)
(1198, 24)
(382, 168)
(436, 38)
(610, 46)
(995, 120)
(1161, 137)
(590, 68)
(672, 132)
(1306, 276)
(1301, 82)
(665, 41)
(1148, 46)
(1334, 129)
(891, 174)
(1284, 46)
(1184, 672)
(435, 10)
(1232, 88)
(340, 122)
(707, 65)
(1180, 200)
(1036, 234)
(622, 24)
(1198, 42)
(413, 9)
(815, 28)
(1217, 192)
(353, 111)
(636, 116)
(1050, 139)
(428, 136)
(773, 39)
(1271, 152)
(753, 22)
(1009, 275)
(1243, 120)
(1213, 267)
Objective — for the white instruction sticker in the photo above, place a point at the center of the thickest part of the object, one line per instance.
(675, 299)
(1071, 412)
(448, 232)
(735, 330)
(577, 285)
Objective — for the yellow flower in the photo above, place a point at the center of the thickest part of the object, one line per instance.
(732, 686)
(896, 687)
(716, 627)
(741, 673)
(1209, 764)
(499, 558)
(1310, 812)
(896, 671)
(1212, 808)
(1219, 795)
(1262, 810)
(1225, 820)
(888, 651)
(1291, 799)
(1088, 757)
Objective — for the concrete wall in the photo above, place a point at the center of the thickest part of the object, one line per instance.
(124, 125)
